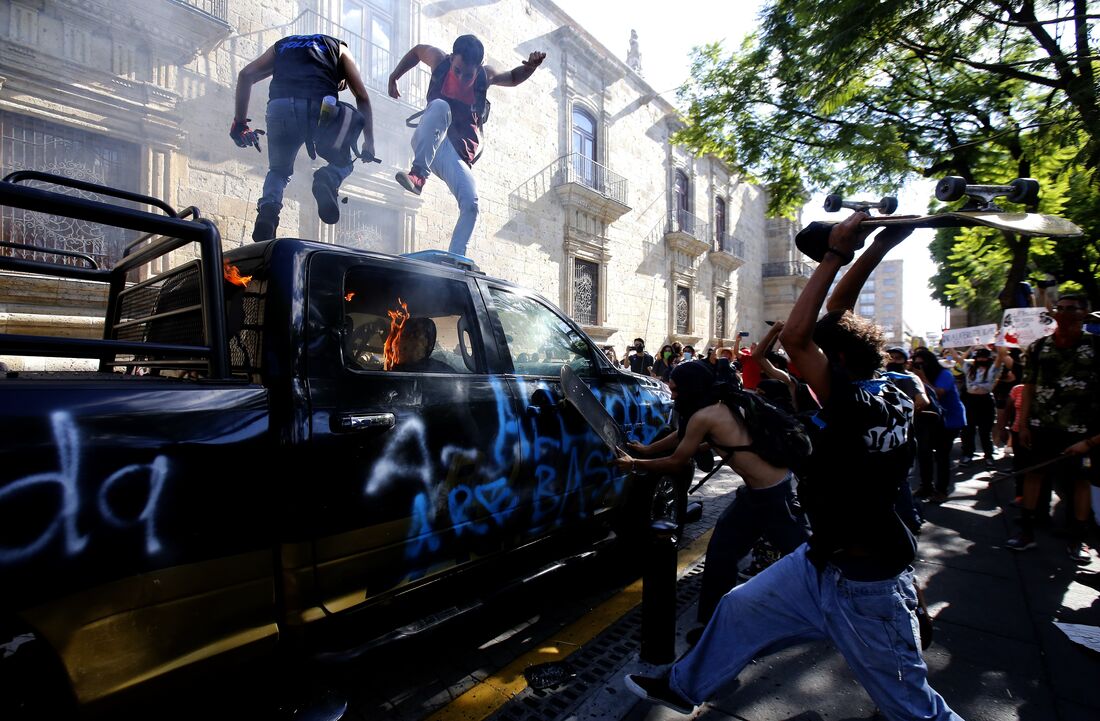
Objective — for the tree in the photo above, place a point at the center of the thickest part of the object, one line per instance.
(847, 95)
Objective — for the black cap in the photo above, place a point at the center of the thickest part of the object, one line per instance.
(899, 350)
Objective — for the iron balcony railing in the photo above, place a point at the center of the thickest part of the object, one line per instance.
(788, 267)
(375, 62)
(576, 168)
(214, 8)
(681, 221)
(728, 244)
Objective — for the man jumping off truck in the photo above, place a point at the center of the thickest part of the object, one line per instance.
(457, 110)
(304, 71)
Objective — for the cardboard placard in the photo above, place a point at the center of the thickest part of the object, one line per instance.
(1023, 326)
(966, 337)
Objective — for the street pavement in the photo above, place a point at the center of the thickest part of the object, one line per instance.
(996, 653)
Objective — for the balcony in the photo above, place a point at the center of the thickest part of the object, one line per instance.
(796, 268)
(583, 184)
(728, 252)
(215, 9)
(375, 62)
(687, 233)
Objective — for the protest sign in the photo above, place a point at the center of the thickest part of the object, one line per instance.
(966, 337)
(1023, 326)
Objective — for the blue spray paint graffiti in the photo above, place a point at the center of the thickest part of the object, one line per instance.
(64, 521)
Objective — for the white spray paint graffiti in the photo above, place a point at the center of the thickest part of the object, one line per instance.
(64, 521)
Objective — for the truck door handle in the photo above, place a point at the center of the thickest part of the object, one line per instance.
(366, 421)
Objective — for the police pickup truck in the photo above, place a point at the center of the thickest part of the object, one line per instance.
(272, 440)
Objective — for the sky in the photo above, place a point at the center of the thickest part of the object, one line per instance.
(665, 40)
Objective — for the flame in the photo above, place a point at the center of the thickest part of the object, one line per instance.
(390, 350)
(232, 274)
(349, 296)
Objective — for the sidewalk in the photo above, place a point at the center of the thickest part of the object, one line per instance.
(996, 654)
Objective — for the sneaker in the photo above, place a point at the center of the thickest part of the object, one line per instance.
(764, 554)
(1079, 552)
(657, 690)
(411, 181)
(965, 460)
(324, 191)
(1021, 542)
(989, 464)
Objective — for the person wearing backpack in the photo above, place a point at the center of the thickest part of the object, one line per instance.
(852, 582)
(730, 421)
(304, 71)
(456, 112)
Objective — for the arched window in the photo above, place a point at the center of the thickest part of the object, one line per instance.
(682, 202)
(719, 224)
(584, 148)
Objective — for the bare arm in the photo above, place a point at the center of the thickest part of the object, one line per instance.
(260, 68)
(362, 100)
(760, 354)
(516, 75)
(427, 54)
(848, 287)
(697, 429)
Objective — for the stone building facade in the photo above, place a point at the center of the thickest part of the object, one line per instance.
(582, 195)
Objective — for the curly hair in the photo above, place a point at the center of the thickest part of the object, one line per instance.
(858, 339)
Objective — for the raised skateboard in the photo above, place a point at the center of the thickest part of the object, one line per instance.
(979, 210)
(580, 397)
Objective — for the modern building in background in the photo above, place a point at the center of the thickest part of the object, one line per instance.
(583, 196)
(881, 301)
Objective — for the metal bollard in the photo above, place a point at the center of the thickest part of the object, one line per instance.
(659, 595)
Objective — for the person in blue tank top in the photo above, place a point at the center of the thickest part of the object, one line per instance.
(937, 453)
(304, 69)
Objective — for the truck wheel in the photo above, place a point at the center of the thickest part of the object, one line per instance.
(653, 498)
(950, 188)
(33, 683)
(833, 202)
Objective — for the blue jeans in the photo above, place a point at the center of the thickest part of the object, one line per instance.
(871, 623)
(288, 124)
(754, 513)
(434, 153)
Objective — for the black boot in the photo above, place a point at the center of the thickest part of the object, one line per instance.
(325, 185)
(267, 221)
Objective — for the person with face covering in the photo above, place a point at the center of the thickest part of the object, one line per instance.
(852, 582)
(980, 376)
(762, 508)
(663, 365)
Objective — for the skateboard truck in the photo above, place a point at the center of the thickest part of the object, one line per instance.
(887, 205)
(1020, 190)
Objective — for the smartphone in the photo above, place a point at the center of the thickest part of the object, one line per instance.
(744, 334)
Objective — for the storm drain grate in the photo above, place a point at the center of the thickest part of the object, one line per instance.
(593, 664)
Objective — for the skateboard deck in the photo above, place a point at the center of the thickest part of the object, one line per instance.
(580, 397)
(813, 240)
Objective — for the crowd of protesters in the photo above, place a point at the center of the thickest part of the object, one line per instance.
(878, 416)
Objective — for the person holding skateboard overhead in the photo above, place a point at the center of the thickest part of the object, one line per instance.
(456, 113)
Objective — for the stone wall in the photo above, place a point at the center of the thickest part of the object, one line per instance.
(531, 230)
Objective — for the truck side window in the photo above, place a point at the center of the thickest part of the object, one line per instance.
(539, 340)
(404, 322)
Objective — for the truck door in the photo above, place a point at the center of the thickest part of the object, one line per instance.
(572, 479)
(410, 432)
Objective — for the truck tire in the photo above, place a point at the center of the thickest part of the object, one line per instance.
(33, 682)
(653, 497)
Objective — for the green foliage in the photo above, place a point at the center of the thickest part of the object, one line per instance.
(847, 95)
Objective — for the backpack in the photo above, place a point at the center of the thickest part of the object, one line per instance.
(481, 105)
(336, 139)
(777, 436)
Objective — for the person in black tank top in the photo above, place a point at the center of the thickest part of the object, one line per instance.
(852, 584)
(456, 112)
(304, 69)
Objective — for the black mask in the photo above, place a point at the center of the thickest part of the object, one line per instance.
(694, 389)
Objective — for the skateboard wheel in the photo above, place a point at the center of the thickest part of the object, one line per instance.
(833, 203)
(1024, 190)
(950, 188)
(888, 205)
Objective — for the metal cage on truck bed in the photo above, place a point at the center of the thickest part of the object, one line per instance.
(176, 319)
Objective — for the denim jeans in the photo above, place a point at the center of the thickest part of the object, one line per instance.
(434, 153)
(754, 513)
(288, 124)
(871, 623)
